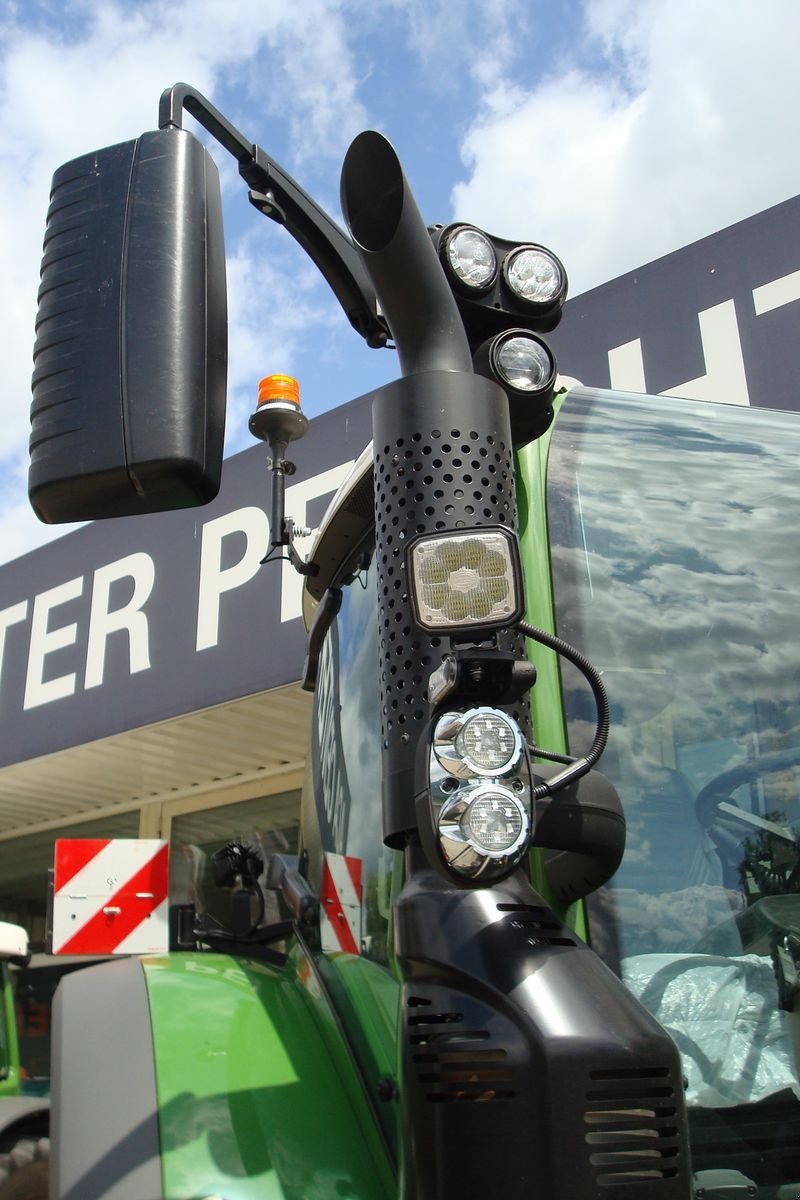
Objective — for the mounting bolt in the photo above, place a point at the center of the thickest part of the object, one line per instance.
(387, 1088)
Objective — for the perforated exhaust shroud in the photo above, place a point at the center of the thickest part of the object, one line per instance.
(443, 461)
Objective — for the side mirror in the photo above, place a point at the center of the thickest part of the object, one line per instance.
(585, 824)
(130, 359)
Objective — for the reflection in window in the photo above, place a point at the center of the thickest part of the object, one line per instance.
(674, 553)
(346, 758)
(269, 825)
(342, 816)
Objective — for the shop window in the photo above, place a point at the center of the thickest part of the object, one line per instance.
(25, 861)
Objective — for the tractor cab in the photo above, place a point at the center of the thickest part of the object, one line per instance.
(656, 534)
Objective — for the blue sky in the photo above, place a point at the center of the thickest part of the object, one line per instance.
(613, 131)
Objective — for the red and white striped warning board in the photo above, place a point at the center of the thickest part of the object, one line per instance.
(340, 904)
(110, 896)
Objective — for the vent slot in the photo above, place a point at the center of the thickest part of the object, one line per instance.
(437, 1019)
(632, 1134)
(537, 923)
(469, 1075)
(463, 1037)
(454, 1064)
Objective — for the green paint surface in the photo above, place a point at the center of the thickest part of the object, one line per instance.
(9, 1045)
(257, 1096)
(367, 996)
(547, 703)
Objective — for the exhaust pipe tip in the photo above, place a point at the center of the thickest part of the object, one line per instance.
(373, 189)
(395, 246)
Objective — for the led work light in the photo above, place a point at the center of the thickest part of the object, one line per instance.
(483, 741)
(522, 362)
(534, 275)
(471, 257)
(465, 582)
(479, 790)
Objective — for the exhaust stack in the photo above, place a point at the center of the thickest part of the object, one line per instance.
(396, 249)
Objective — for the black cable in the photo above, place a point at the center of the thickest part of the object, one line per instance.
(583, 765)
(551, 756)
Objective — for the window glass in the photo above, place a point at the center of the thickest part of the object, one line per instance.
(34, 988)
(268, 825)
(25, 861)
(345, 788)
(674, 552)
(343, 831)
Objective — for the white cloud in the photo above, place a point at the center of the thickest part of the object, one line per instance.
(477, 38)
(274, 301)
(654, 125)
(681, 124)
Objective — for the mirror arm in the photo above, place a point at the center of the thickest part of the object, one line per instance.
(277, 195)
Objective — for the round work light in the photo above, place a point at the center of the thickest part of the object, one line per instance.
(470, 257)
(523, 362)
(482, 741)
(534, 276)
(494, 820)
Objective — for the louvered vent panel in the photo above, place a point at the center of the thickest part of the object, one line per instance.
(632, 1133)
(454, 1063)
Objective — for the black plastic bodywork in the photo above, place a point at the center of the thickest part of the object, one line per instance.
(528, 1068)
(584, 824)
(130, 359)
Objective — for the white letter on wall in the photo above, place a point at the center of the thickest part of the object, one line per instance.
(141, 569)
(10, 616)
(44, 641)
(725, 381)
(214, 581)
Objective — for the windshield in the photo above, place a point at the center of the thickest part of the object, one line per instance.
(674, 532)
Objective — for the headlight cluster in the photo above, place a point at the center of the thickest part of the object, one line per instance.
(508, 295)
(480, 792)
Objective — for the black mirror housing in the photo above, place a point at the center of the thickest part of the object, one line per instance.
(130, 360)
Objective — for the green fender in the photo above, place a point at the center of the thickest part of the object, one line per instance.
(258, 1096)
(10, 1084)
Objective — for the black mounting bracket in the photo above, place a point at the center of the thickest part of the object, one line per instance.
(278, 196)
